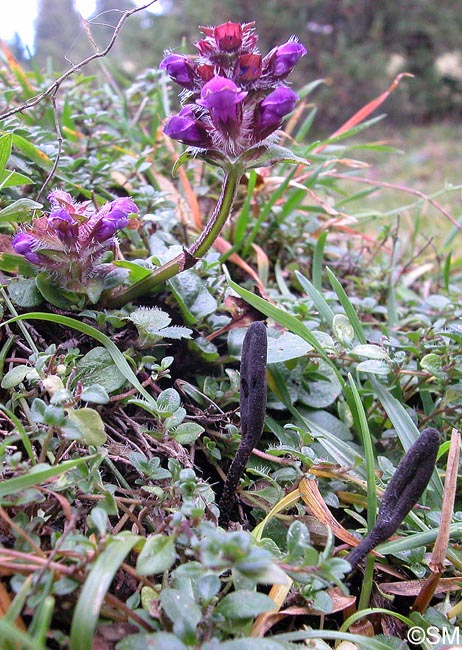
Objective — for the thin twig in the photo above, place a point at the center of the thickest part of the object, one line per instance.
(54, 87)
(59, 139)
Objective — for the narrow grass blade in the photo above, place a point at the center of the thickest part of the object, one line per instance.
(357, 640)
(350, 311)
(117, 356)
(318, 256)
(356, 406)
(405, 428)
(281, 317)
(318, 299)
(9, 632)
(22, 433)
(94, 590)
(39, 474)
(417, 539)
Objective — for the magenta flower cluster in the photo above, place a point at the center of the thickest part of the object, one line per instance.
(234, 98)
(70, 240)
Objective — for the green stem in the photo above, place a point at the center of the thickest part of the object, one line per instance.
(191, 256)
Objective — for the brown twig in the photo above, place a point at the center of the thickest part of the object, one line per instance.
(54, 87)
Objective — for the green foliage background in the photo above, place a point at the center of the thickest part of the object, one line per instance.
(356, 46)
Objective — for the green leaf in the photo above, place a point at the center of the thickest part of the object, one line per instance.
(343, 329)
(13, 210)
(38, 475)
(98, 367)
(15, 376)
(52, 292)
(150, 318)
(11, 178)
(244, 604)
(168, 402)
(187, 432)
(97, 583)
(182, 610)
(286, 346)
(24, 293)
(193, 297)
(250, 644)
(32, 152)
(373, 367)
(315, 294)
(370, 351)
(90, 424)
(6, 140)
(156, 641)
(158, 555)
(432, 363)
(267, 156)
(16, 264)
(95, 393)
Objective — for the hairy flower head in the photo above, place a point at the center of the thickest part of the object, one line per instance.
(235, 98)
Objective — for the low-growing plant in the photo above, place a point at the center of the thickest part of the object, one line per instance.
(125, 415)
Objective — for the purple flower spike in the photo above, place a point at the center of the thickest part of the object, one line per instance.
(179, 70)
(275, 107)
(64, 226)
(184, 128)
(284, 57)
(222, 98)
(24, 244)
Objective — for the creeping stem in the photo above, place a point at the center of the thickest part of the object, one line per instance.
(190, 256)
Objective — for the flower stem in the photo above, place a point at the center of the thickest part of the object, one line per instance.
(189, 257)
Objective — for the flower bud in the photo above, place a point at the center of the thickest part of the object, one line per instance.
(25, 244)
(179, 70)
(228, 36)
(249, 67)
(184, 128)
(284, 57)
(222, 98)
(275, 107)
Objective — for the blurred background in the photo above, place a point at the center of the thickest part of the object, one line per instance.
(356, 46)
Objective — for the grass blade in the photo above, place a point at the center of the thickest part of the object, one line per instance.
(94, 591)
(350, 311)
(39, 474)
(317, 298)
(405, 428)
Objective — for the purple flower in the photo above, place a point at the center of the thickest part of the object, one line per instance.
(184, 128)
(25, 244)
(115, 217)
(179, 70)
(64, 225)
(124, 204)
(284, 58)
(222, 98)
(275, 107)
(109, 225)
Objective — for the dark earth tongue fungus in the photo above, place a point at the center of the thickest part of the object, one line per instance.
(403, 491)
(252, 408)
